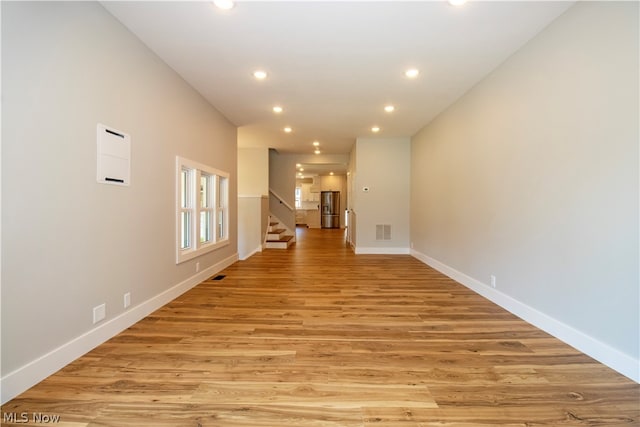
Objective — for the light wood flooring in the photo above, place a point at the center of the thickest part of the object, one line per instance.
(317, 336)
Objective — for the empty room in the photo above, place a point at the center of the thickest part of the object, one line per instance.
(312, 213)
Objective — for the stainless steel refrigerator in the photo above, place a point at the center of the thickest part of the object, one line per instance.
(330, 209)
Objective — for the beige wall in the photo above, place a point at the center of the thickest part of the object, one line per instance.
(381, 165)
(253, 213)
(253, 191)
(69, 243)
(253, 171)
(282, 180)
(532, 177)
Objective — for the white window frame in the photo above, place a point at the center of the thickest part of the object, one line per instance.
(218, 206)
(210, 208)
(187, 210)
(298, 197)
(221, 207)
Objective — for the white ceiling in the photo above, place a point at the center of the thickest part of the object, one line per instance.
(333, 65)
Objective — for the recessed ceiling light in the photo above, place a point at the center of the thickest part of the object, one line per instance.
(317, 151)
(412, 73)
(288, 129)
(260, 75)
(457, 3)
(277, 109)
(224, 4)
(389, 108)
(316, 143)
(331, 173)
(375, 129)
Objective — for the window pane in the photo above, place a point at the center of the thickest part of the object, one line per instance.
(185, 187)
(185, 230)
(205, 226)
(222, 191)
(221, 234)
(204, 190)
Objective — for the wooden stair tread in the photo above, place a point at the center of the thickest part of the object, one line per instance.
(282, 239)
(276, 239)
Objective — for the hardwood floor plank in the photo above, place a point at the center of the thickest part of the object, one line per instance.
(317, 336)
(316, 395)
(215, 415)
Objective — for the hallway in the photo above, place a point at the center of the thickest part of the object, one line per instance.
(317, 336)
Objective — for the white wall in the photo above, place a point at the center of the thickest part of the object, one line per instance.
(532, 177)
(253, 213)
(253, 191)
(69, 243)
(253, 171)
(381, 165)
(351, 181)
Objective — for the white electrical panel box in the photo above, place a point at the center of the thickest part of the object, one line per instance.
(114, 156)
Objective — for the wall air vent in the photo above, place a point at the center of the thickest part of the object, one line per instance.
(114, 156)
(383, 232)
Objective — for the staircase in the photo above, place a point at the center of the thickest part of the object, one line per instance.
(277, 237)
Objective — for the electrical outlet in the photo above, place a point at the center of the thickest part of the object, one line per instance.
(99, 313)
(411, 245)
(493, 281)
(127, 299)
(197, 267)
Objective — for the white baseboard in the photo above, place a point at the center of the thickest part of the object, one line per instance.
(253, 252)
(359, 250)
(25, 377)
(602, 352)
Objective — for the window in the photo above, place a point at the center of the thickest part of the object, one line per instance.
(222, 200)
(202, 209)
(186, 207)
(298, 197)
(206, 210)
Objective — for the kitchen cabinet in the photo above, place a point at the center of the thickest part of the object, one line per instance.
(301, 216)
(315, 187)
(304, 192)
(333, 183)
(307, 195)
(313, 218)
(310, 217)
